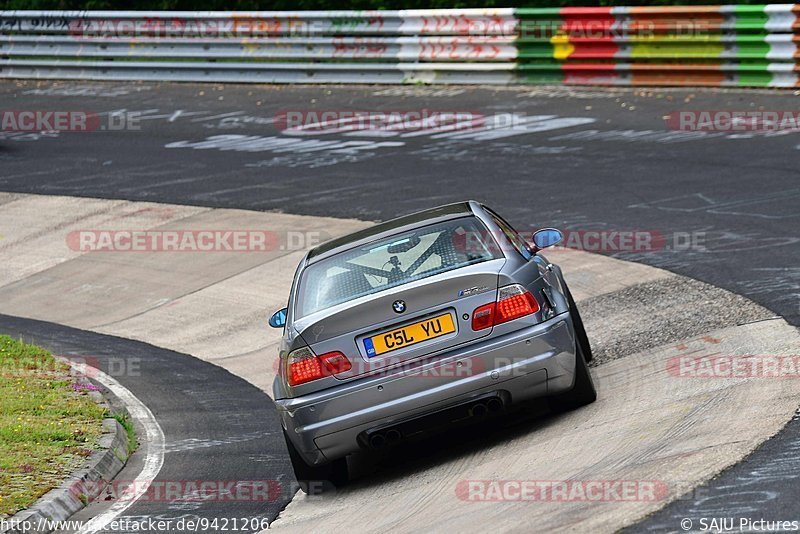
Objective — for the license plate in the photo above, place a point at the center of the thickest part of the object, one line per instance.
(409, 335)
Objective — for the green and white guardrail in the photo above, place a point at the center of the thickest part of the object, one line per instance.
(755, 45)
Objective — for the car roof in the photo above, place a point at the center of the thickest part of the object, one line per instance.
(385, 229)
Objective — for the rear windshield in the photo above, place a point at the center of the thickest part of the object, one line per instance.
(395, 261)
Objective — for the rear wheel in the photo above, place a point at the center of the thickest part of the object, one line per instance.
(315, 478)
(582, 393)
(580, 331)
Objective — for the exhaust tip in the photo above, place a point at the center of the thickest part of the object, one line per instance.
(494, 405)
(377, 441)
(393, 436)
(479, 410)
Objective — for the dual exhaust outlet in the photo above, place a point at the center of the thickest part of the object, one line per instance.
(381, 439)
(481, 409)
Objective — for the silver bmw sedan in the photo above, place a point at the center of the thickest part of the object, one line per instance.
(439, 318)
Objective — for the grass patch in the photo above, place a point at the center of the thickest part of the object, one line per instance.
(126, 423)
(48, 426)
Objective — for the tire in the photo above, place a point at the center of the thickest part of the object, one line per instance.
(580, 331)
(582, 393)
(316, 478)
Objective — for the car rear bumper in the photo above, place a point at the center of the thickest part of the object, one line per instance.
(532, 362)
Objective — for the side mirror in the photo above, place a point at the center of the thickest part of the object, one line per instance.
(278, 319)
(546, 237)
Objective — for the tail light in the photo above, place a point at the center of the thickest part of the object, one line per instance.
(303, 366)
(483, 317)
(512, 303)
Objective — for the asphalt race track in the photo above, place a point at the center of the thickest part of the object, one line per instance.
(205, 440)
(606, 160)
(582, 160)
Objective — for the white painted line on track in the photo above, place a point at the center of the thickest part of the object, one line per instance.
(154, 452)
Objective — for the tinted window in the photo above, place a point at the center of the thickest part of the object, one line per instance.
(395, 261)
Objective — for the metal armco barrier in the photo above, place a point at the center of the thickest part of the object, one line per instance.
(754, 46)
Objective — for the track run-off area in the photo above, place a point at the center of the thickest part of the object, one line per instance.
(721, 280)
